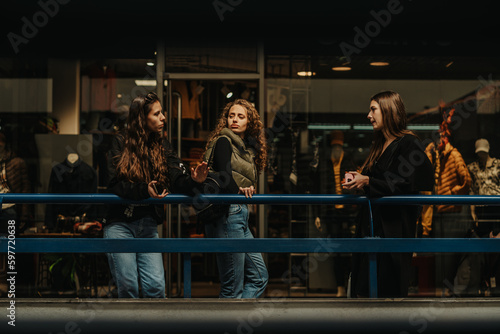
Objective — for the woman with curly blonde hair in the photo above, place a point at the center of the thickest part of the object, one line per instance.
(237, 150)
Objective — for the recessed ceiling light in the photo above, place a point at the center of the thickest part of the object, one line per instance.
(341, 68)
(379, 63)
(146, 83)
(150, 63)
(306, 74)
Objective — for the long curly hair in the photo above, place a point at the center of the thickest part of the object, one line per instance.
(254, 134)
(143, 158)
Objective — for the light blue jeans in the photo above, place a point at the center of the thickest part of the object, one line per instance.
(242, 275)
(128, 269)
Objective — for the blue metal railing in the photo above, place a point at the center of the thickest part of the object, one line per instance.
(187, 246)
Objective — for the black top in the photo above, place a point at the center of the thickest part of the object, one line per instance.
(403, 169)
(179, 178)
(223, 151)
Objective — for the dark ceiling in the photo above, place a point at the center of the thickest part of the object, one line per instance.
(437, 31)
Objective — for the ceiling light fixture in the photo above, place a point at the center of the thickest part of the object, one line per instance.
(329, 127)
(150, 63)
(341, 68)
(306, 73)
(379, 63)
(226, 91)
(449, 64)
(424, 127)
(145, 83)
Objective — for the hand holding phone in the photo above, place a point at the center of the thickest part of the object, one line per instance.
(153, 190)
(156, 189)
(348, 177)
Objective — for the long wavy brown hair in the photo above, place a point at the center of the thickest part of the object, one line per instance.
(143, 158)
(254, 134)
(393, 120)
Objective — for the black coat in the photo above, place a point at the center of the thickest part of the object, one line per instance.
(403, 169)
(179, 178)
(67, 178)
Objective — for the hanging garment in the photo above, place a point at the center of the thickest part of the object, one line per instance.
(99, 89)
(451, 177)
(190, 104)
(4, 186)
(293, 175)
(15, 180)
(67, 177)
(315, 161)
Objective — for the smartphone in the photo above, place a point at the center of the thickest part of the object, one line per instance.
(156, 189)
(348, 177)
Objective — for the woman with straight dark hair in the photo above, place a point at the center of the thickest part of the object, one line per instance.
(141, 165)
(396, 165)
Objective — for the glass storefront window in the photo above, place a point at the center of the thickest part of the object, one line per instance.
(212, 58)
(306, 104)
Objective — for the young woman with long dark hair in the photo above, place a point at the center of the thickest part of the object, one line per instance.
(141, 165)
(396, 165)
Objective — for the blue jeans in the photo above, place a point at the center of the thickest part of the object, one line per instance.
(128, 269)
(242, 275)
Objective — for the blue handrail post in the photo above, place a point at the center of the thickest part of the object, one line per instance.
(187, 274)
(372, 258)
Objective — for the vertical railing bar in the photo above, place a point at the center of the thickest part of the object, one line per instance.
(372, 233)
(187, 274)
(179, 206)
(372, 258)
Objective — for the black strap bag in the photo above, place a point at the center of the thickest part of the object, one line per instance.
(209, 212)
(214, 184)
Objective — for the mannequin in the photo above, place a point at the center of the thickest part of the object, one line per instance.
(72, 158)
(446, 221)
(73, 175)
(13, 178)
(485, 173)
(450, 172)
(336, 221)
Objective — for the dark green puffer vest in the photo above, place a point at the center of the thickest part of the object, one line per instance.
(242, 160)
